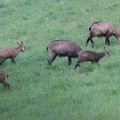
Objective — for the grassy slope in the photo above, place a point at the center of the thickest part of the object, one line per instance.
(41, 92)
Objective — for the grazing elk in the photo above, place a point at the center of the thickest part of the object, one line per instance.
(86, 56)
(62, 48)
(11, 53)
(3, 79)
(102, 29)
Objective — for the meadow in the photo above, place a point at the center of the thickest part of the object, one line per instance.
(58, 92)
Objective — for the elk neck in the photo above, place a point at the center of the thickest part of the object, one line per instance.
(102, 54)
(18, 49)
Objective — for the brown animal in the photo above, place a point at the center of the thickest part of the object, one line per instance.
(3, 79)
(85, 56)
(102, 29)
(11, 53)
(62, 48)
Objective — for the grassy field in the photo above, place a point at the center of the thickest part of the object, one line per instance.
(58, 92)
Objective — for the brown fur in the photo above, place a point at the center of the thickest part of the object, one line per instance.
(62, 48)
(85, 55)
(10, 53)
(3, 79)
(102, 29)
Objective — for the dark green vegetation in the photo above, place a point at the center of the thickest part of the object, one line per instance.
(41, 92)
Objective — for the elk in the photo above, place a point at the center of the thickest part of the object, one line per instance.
(102, 29)
(3, 79)
(92, 56)
(11, 53)
(62, 48)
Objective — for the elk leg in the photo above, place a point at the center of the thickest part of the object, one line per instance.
(69, 61)
(13, 60)
(92, 43)
(52, 57)
(90, 39)
(107, 41)
(87, 41)
(6, 85)
(98, 63)
(77, 65)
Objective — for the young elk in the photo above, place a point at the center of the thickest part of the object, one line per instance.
(102, 29)
(86, 56)
(3, 79)
(11, 53)
(62, 48)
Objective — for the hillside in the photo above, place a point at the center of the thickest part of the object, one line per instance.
(58, 92)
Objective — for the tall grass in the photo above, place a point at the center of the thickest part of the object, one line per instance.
(57, 92)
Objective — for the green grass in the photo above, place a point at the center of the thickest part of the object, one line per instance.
(57, 92)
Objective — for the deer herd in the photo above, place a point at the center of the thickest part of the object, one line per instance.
(67, 48)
